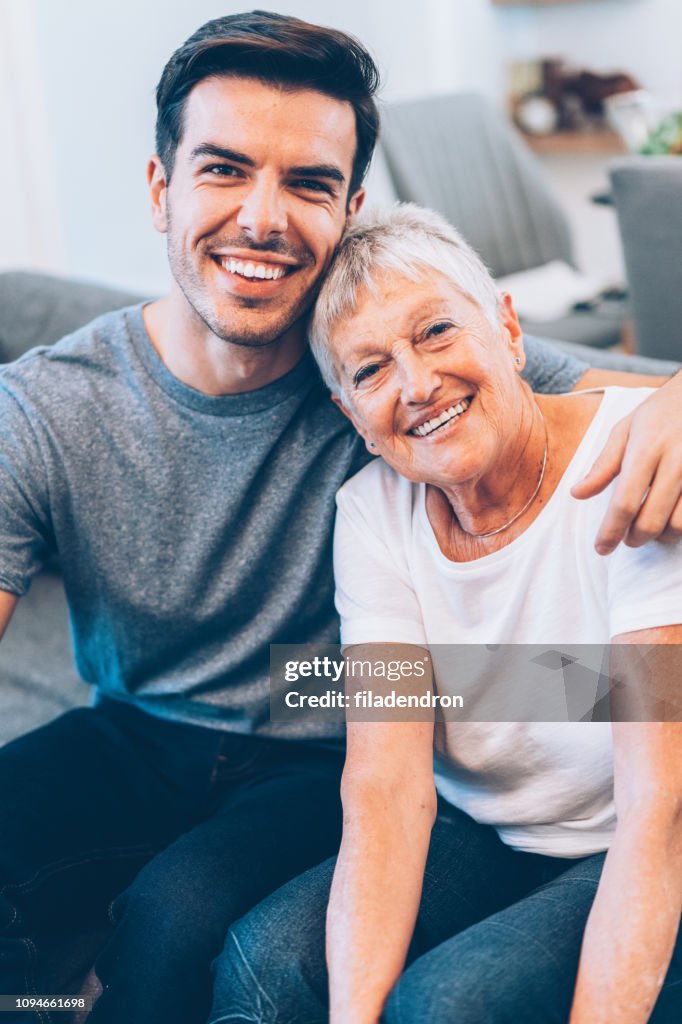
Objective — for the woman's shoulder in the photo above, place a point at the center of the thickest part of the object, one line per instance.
(375, 482)
(380, 499)
(617, 401)
(614, 403)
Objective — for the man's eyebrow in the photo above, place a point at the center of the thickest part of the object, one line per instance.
(320, 171)
(208, 149)
(311, 171)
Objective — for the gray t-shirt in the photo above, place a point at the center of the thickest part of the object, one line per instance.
(193, 531)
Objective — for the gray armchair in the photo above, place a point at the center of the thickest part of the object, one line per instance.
(647, 191)
(458, 155)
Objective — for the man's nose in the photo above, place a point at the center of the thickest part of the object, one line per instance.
(263, 213)
(419, 380)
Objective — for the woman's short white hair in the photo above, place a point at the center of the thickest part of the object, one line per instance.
(406, 239)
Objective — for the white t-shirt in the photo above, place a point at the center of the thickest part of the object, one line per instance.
(546, 787)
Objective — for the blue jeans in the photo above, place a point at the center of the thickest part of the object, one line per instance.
(134, 843)
(497, 941)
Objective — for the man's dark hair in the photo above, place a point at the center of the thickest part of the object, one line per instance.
(278, 49)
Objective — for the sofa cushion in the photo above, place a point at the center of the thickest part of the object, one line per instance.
(39, 309)
(38, 679)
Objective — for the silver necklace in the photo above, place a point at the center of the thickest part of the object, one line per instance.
(510, 522)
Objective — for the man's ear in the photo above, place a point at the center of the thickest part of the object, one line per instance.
(355, 205)
(512, 329)
(158, 186)
(346, 412)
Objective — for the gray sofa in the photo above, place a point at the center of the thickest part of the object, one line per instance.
(38, 680)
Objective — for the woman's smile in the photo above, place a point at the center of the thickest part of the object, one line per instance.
(436, 425)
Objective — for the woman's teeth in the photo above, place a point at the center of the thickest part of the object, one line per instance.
(260, 270)
(450, 414)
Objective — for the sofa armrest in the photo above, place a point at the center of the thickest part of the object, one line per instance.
(604, 359)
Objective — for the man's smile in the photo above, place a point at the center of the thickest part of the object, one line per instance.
(261, 265)
(263, 271)
(249, 273)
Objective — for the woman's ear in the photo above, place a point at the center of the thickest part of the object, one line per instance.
(369, 444)
(512, 329)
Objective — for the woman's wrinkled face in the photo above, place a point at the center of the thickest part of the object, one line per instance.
(430, 384)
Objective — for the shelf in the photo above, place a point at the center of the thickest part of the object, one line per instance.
(533, 3)
(599, 142)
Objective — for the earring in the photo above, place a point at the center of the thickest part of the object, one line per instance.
(517, 360)
(372, 444)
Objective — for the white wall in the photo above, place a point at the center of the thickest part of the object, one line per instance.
(29, 223)
(640, 36)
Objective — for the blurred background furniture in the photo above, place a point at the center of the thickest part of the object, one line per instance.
(647, 191)
(38, 679)
(39, 309)
(459, 155)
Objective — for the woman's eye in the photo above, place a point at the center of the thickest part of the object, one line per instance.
(364, 373)
(439, 328)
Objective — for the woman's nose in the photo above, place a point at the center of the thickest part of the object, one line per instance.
(263, 214)
(419, 380)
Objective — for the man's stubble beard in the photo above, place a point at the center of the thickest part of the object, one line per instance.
(194, 290)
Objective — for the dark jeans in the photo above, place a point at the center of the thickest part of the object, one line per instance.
(497, 941)
(135, 843)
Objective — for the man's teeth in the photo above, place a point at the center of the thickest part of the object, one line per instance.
(253, 269)
(455, 410)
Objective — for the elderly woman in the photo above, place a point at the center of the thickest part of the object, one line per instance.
(510, 908)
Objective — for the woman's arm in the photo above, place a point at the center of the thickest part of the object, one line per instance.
(389, 806)
(634, 921)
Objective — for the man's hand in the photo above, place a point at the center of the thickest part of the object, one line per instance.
(644, 451)
(7, 606)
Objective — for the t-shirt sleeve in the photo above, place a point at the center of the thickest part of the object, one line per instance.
(548, 369)
(645, 587)
(25, 530)
(374, 595)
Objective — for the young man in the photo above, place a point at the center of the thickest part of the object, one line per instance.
(183, 458)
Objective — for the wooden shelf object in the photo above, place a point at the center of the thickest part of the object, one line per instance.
(534, 3)
(605, 142)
